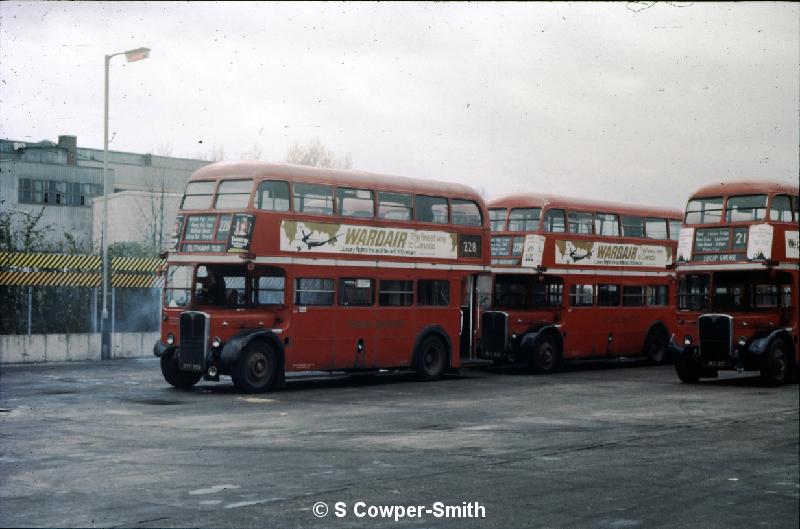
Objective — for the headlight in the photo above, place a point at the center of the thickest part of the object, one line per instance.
(687, 340)
(216, 342)
(513, 336)
(170, 339)
(742, 341)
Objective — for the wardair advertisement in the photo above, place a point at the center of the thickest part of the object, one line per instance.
(298, 236)
(610, 254)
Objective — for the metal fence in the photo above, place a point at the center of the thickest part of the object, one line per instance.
(43, 293)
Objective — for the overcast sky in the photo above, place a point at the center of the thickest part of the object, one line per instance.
(603, 100)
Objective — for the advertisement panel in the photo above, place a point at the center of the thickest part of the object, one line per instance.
(611, 254)
(323, 237)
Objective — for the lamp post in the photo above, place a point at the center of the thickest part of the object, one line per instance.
(105, 342)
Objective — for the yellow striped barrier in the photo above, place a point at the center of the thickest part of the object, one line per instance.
(57, 269)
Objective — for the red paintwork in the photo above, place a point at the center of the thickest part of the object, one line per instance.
(586, 330)
(325, 337)
(749, 323)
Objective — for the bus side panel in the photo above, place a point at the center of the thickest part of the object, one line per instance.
(395, 334)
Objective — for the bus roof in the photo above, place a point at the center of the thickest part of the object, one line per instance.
(751, 187)
(536, 200)
(301, 173)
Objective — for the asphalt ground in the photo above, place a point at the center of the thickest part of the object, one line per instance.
(619, 446)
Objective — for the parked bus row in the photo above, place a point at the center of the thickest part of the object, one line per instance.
(277, 268)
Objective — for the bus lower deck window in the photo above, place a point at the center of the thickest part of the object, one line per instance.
(396, 293)
(433, 292)
(355, 292)
(269, 290)
(658, 296)
(607, 295)
(313, 291)
(581, 295)
(632, 296)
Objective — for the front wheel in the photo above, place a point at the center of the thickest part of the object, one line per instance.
(775, 364)
(176, 377)
(546, 357)
(257, 368)
(687, 369)
(431, 358)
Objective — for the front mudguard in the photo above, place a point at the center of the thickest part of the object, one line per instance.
(675, 349)
(232, 350)
(530, 340)
(161, 350)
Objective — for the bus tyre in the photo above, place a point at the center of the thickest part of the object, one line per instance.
(257, 368)
(775, 364)
(431, 358)
(656, 347)
(176, 377)
(688, 371)
(545, 357)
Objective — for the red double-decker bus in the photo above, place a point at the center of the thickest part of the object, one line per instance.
(578, 279)
(278, 268)
(738, 281)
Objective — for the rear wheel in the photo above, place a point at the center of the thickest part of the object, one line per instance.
(775, 364)
(655, 347)
(687, 369)
(546, 356)
(431, 358)
(176, 377)
(257, 368)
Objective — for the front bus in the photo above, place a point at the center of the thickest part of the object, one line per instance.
(737, 282)
(278, 268)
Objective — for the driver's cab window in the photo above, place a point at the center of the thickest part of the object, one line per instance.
(220, 286)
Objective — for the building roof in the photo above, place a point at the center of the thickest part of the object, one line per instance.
(537, 200)
(300, 173)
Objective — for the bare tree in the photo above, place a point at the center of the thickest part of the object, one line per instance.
(253, 154)
(315, 154)
(214, 154)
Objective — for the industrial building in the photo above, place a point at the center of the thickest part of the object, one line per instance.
(67, 181)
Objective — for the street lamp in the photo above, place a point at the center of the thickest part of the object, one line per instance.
(105, 341)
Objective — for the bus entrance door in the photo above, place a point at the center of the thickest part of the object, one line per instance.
(476, 295)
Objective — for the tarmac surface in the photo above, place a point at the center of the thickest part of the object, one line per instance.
(619, 446)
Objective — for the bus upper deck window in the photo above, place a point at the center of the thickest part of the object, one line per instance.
(394, 206)
(198, 195)
(781, 210)
(580, 223)
(704, 210)
(316, 199)
(656, 228)
(273, 195)
(606, 224)
(465, 212)
(674, 230)
(524, 219)
(355, 202)
(632, 226)
(746, 208)
(497, 219)
(233, 194)
(431, 209)
(554, 221)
